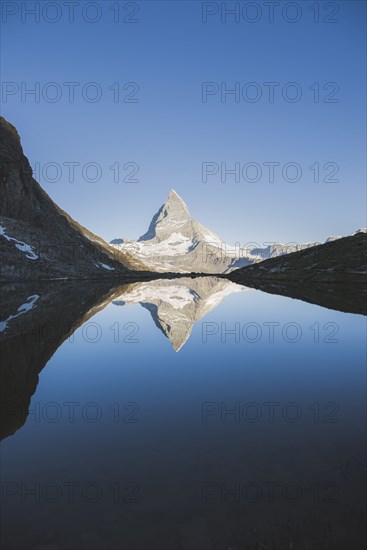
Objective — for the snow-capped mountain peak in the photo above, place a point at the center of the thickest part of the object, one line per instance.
(175, 242)
(172, 217)
(174, 199)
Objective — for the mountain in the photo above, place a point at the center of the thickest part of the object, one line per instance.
(37, 238)
(343, 259)
(333, 274)
(175, 242)
(177, 304)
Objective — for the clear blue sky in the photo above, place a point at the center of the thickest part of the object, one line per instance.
(170, 131)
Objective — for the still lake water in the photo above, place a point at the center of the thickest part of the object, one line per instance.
(251, 435)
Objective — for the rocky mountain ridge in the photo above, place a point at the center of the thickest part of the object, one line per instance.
(37, 238)
(175, 242)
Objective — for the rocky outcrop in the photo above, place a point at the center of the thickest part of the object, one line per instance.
(333, 275)
(37, 238)
(343, 259)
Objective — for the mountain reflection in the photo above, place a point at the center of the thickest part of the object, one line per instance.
(175, 305)
(37, 318)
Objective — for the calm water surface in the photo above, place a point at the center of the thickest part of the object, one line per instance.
(250, 436)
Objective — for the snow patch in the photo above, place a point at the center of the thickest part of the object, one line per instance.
(23, 247)
(105, 266)
(27, 306)
(175, 244)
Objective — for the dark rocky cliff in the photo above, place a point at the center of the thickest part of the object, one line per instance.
(37, 238)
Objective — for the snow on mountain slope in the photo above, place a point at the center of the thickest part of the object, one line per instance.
(175, 242)
(20, 245)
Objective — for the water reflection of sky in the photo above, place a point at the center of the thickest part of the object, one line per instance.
(170, 450)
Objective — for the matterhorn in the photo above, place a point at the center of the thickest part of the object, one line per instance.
(177, 243)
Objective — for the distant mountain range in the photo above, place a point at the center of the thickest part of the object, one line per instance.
(175, 242)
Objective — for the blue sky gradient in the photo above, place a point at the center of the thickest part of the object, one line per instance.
(169, 132)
